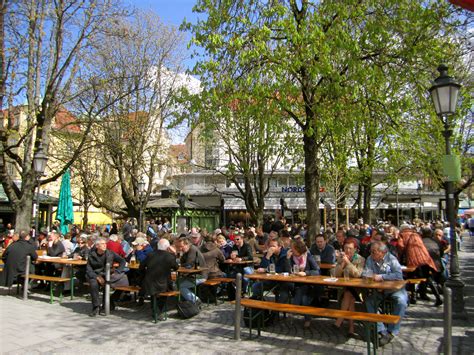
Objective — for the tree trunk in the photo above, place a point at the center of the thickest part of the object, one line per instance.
(312, 176)
(24, 211)
(367, 197)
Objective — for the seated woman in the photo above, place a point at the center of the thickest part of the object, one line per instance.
(353, 264)
(303, 260)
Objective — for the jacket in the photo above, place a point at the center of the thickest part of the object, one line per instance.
(194, 256)
(156, 270)
(14, 258)
(282, 263)
(213, 256)
(96, 263)
(244, 252)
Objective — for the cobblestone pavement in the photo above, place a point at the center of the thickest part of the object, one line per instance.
(35, 326)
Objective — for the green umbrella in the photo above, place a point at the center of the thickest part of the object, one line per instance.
(65, 213)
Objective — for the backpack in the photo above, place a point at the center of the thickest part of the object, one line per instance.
(187, 309)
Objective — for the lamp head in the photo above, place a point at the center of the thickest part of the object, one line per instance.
(444, 92)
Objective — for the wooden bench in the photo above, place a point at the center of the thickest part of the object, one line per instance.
(216, 281)
(368, 319)
(412, 290)
(52, 281)
(136, 289)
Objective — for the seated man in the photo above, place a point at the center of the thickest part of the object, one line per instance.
(99, 256)
(156, 270)
(322, 249)
(14, 258)
(191, 257)
(277, 255)
(384, 266)
(241, 251)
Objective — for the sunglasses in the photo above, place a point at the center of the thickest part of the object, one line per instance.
(237, 239)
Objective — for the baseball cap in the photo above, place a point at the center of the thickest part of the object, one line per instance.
(139, 241)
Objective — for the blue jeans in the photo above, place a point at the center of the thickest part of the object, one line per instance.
(185, 287)
(302, 296)
(245, 281)
(399, 298)
(282, 289)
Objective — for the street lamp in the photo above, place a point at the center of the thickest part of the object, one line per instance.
(141, 192)
(444, 93)
(39, 165)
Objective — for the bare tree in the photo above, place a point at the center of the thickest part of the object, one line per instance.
(43, 45)
(147, 56)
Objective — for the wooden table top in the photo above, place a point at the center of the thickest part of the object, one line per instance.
(241, 262)
(63, 261)
(325, 280)
(183, 270)
(408, 268)
(326, 266)
(134, 266)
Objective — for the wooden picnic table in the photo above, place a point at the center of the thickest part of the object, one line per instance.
(67, 262)
(62, 261)
(327, 281)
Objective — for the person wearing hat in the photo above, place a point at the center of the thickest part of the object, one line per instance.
(141, 248)
(196, 239)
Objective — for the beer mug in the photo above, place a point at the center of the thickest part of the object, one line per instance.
(346, 274)
(296, 269)
(271, 269)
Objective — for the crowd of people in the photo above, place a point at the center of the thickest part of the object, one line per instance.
(358, 250)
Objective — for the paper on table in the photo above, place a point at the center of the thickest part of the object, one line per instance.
(403, 267)
(49, 257)
(331, 279)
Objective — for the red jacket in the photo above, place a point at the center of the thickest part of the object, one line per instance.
(116, 247)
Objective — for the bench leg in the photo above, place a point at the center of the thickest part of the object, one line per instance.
(250, 322)
(72, 283)
(51, 293)
(61, 292)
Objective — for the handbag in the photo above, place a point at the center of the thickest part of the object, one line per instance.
(187, 309)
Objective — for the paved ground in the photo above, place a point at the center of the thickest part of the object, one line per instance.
(35, 326)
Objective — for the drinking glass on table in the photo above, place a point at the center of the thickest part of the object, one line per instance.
(271, 269)
(332, 273)
(296, 269)
(346, 274)
(318, 259)
(369, 276)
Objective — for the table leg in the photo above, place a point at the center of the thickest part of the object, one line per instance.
(72, 281)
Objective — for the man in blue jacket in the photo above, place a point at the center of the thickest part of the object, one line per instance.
(382, 265)
(276, 254)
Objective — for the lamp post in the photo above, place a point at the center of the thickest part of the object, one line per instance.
(141, 192)
(420, 205)
(39, 165)
(398, 207)
(444, 93)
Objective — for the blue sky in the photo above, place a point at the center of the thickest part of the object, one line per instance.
(170, 11)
